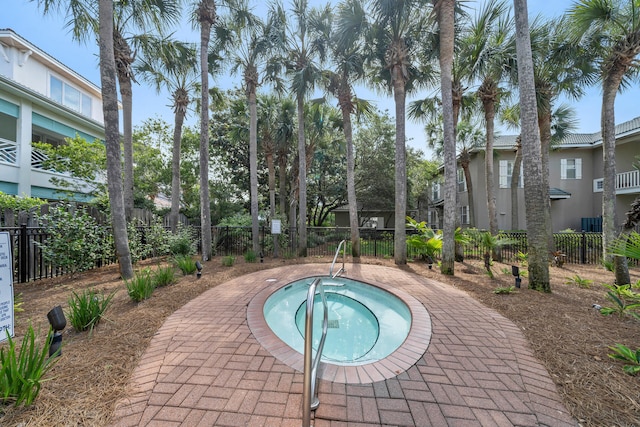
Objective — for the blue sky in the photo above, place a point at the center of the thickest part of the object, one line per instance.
(49, 34)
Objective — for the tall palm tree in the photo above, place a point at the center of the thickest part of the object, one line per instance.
(346, 44)
(492, 52)
(267, 131)
(395, 41)
(530, 136)
(611, 30)
(304, 48)
(206, 15)
(173, 65)
(112, 134)
(284, 142)
(445, 10)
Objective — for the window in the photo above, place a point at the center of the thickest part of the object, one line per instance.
(506, 172)
(69, 96)
(462, 183)
(464, 214)
(435, 191)
(571, 169)
(433, 218)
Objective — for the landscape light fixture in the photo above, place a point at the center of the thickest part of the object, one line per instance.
(58, 322)
(515, 271)
(261, 256)
(199, 268)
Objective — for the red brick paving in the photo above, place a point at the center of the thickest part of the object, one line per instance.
(206, 366)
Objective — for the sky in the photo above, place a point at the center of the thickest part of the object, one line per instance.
(49, 34)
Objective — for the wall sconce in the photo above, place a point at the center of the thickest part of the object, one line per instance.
(199, 268)
(58, 322)
(515, 271)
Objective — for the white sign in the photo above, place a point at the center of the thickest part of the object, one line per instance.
(6, 286)
(276, 226)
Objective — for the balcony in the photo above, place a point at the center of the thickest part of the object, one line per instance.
(626, 183)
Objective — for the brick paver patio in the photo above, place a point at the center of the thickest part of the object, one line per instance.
(205, 366)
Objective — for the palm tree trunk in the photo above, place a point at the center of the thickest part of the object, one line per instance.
(282, 187)
(112, 137)
(126, 94)
(302, 182)
(351, 185)
(489, 115)
(464, 164)
(610, 224)
(253, 168)
(271, 167)
(400, 236)
(515, 180)
(206, 16)
(544, 124)
(534, 198)
(445, 9)
(175, 170)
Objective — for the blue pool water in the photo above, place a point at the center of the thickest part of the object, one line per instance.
(366, 323)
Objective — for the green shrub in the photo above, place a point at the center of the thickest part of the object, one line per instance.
(624, 300)
(164, 276)
(185, 263)
(87, 308)
(158, 239)
(139, 250)
(21, 374)
(504, 290)
(140, 286)
(182, 242)
(8, 201)
(250, 256)
(577, 280)
(75, 240)
(228, 261)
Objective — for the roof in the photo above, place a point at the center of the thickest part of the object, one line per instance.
(556, 193)
(507, 142)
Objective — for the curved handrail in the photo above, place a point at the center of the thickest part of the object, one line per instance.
(335, 257)
(309, 387)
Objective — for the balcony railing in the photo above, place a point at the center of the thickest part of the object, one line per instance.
(626, 182)
(8, 151)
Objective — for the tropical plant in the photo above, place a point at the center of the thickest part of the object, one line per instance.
(427, 242)
(141, 286)
(535, 201)
(228, 260)
(625, 354)
(504, 290)
(87, 308)
(609, 30)
(579, 281)
(22, 372)
(625, 301)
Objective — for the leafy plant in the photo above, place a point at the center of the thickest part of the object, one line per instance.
(8, 201)
(182, 242)
(624, 300)
(522, 258)
(140, 286)
(250, 256)
(228, 261)
(185, 263)
(505, 290)
(164, 276)
(138, 248)
(625, 354)
(21, 374)
(75, 240)
(17, 303)
(424, 240)
(577, 280)
(87, 308)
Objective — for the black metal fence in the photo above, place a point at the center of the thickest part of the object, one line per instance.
(29, 263)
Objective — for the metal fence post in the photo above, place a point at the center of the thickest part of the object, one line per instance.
(23, 262)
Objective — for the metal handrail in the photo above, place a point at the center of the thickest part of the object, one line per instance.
(309, 387)
(334, 261)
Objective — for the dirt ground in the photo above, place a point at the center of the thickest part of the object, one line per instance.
(568, 336)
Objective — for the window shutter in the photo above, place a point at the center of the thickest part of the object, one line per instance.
(503, 174)
(578, 168)
(563, 168)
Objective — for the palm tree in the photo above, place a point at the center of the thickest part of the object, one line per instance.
(304, 47)
(173, 65)
(267, 131)
(346, 46)
(206, 15)
(112, 134)
(611, 30)
(493, 54)
(284, 142)
(395, 41)
(534, 198)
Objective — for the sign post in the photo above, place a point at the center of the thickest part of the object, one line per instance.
(6, 286)
(276, 229)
